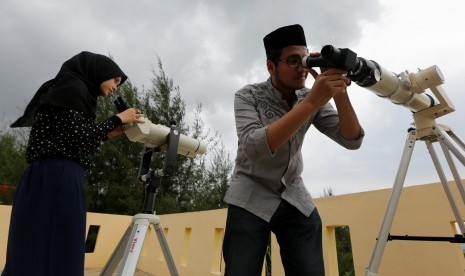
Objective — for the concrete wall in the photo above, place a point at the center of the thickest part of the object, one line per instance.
(195, 238)
(422, 211)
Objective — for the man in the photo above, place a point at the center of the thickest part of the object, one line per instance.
(267, 192)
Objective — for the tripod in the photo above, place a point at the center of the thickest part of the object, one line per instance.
(428, 131)
(135, 234)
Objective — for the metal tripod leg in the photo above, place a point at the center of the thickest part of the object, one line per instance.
(448, 141)
(117, 254)
(448, 138)
(165, 248)
(134, 239)
(372, 269)
(443, 179)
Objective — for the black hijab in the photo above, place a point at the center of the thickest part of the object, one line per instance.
(76, 86)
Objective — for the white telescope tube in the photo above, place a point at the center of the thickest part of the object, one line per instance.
(389, 86)
(408, 91)
(153, 135)
(403, 89)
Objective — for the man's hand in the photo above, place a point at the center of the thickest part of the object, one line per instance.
(327, 84)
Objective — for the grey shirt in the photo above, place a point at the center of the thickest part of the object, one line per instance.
(262, 178)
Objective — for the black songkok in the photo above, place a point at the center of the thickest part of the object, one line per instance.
(283, 37)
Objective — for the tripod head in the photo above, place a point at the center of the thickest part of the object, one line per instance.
(152, 178)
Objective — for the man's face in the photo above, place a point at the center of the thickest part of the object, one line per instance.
(289, 74)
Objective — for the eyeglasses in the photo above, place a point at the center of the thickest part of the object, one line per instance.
(292, 61)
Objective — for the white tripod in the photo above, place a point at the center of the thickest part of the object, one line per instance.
(135, 234)
(428, 131)
(134, 238)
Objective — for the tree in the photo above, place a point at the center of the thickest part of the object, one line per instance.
(197, 184)
(12, 164)
(210, 183)
(112, 184)
(344, 251)
(328, 192)
(345, 260)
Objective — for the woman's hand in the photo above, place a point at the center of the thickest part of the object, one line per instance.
(116, 132)
(131, 115)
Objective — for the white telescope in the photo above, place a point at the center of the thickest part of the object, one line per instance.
(403, 89)
(406, 89)
(154, 135)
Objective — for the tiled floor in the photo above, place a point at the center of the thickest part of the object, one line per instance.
(96, 272)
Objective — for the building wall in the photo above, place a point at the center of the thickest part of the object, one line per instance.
(195, 238)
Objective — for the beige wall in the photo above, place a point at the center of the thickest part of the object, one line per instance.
(423, 211)
(195, 238)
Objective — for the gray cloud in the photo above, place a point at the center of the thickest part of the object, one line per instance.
(212, 48)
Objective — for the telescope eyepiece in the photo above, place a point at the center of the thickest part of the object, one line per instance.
(121, 104)
(332, 57)
(331, 53)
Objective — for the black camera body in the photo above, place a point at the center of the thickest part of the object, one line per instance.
(332, 57)
(363, 72)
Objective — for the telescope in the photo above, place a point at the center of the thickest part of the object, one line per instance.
(156, 136)
(403, 89)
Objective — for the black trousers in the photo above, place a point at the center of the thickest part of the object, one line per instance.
(299, 238)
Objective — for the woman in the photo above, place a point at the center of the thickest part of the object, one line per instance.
(48, 219)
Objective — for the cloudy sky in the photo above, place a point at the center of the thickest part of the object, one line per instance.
(212, 48)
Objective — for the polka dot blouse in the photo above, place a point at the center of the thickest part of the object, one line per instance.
(67, 133)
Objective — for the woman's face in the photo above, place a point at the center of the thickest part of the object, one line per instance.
(109, 86)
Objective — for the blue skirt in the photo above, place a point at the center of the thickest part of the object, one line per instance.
(48, 221)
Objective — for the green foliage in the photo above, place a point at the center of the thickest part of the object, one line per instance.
(195, 185)
(112, 183)
(12, 164)
(113, 186)
(345, 260)
(268, 259)
(344, 251)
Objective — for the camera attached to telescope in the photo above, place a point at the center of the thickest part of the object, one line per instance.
(332, 57)
(363, 72)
